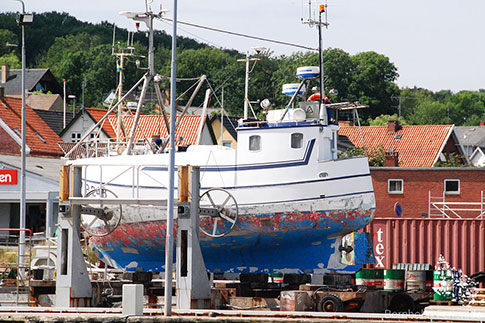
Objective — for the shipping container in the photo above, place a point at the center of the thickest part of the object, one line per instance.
(460, 241)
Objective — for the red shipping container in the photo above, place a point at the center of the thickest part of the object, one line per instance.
(460, 241)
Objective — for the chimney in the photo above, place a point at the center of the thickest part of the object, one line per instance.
(343, 123)
(4, 74)
(393, 126)
(392, 159)
(2, 92)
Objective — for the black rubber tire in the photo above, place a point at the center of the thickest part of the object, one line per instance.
(402, 303)
(330, 303)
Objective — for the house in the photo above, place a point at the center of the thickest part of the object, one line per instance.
(192, 129)
(54, 119)
(228, 129)
(410, 146)
(41, 193)
(36, 80)
(40, 139)
(473, 142)
(416, 188)
(478, 157)
(425, 212)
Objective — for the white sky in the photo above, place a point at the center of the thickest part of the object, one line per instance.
(435, 44)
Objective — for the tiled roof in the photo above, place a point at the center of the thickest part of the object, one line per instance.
(150, 125)
(98, 114)
(418, 146)
(40, 138)
(154, 125)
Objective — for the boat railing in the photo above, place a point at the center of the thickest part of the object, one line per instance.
(104, 148)
(439, 207)
(98, 178)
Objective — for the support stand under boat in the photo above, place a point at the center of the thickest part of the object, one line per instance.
(193, 286)
(73, 286)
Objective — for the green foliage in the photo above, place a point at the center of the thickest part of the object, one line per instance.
(373, 78)
(452, 160)
(76, 50)
(421, 106)
(383, 120)
(11, 60)
(376, 155)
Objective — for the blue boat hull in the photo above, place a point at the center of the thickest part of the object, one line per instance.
(294, 242)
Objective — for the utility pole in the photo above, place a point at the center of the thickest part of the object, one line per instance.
(25, 19)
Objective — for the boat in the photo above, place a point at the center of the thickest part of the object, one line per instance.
(288, 199)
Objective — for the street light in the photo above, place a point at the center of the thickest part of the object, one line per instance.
(73, 97)
(25, 19)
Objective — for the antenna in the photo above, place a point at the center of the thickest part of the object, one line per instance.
(319, 23)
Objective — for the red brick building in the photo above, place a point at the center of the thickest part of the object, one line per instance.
(411, 187)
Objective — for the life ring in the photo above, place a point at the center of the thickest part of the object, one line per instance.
(316, 97)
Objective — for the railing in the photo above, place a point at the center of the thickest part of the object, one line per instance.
(105, 148)
(439, 207)
(16, 269)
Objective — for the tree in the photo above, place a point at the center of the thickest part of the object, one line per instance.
(430, 112)
(383, 120)
(373, 78)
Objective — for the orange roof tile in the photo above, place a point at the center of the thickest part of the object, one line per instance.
(150, 125)
(418, 146)
(98, 114)
(40, 138)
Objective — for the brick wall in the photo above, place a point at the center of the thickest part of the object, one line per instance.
(418, 182)
(7, 144)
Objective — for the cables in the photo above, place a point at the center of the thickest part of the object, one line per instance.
(241, 35)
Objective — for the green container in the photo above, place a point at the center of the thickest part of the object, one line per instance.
(370, 277)
(442, 285)
(394, 279)
(277, 278)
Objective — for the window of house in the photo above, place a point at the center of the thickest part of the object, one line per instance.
(255, 143)
(395, 186)
(75, 136)
(452, 186)
(226, 143)
(296, 140)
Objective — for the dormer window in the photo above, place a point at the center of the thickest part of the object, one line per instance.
(255, 143)
(296, 140)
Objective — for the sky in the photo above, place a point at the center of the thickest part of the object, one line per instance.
(435, 44)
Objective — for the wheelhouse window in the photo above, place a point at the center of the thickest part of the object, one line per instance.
(255, 143)
(296, 140)
(395, 186)
(452, 186)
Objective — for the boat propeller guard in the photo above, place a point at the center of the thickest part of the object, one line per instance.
(99, 220)
(218, 212)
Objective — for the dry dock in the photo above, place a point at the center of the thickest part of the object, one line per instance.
(431, 314)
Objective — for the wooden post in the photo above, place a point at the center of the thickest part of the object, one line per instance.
(64, 184)
(183, 184)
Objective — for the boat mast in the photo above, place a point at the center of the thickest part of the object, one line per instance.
(246, 80)
(121, 54)
(311, 22)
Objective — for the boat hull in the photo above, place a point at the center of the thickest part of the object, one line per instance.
(288, 241)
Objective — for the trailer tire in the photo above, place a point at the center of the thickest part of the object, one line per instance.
(401, 304)
(330, 303)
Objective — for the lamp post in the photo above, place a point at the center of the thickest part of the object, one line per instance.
(25, 19)
(73, 97)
